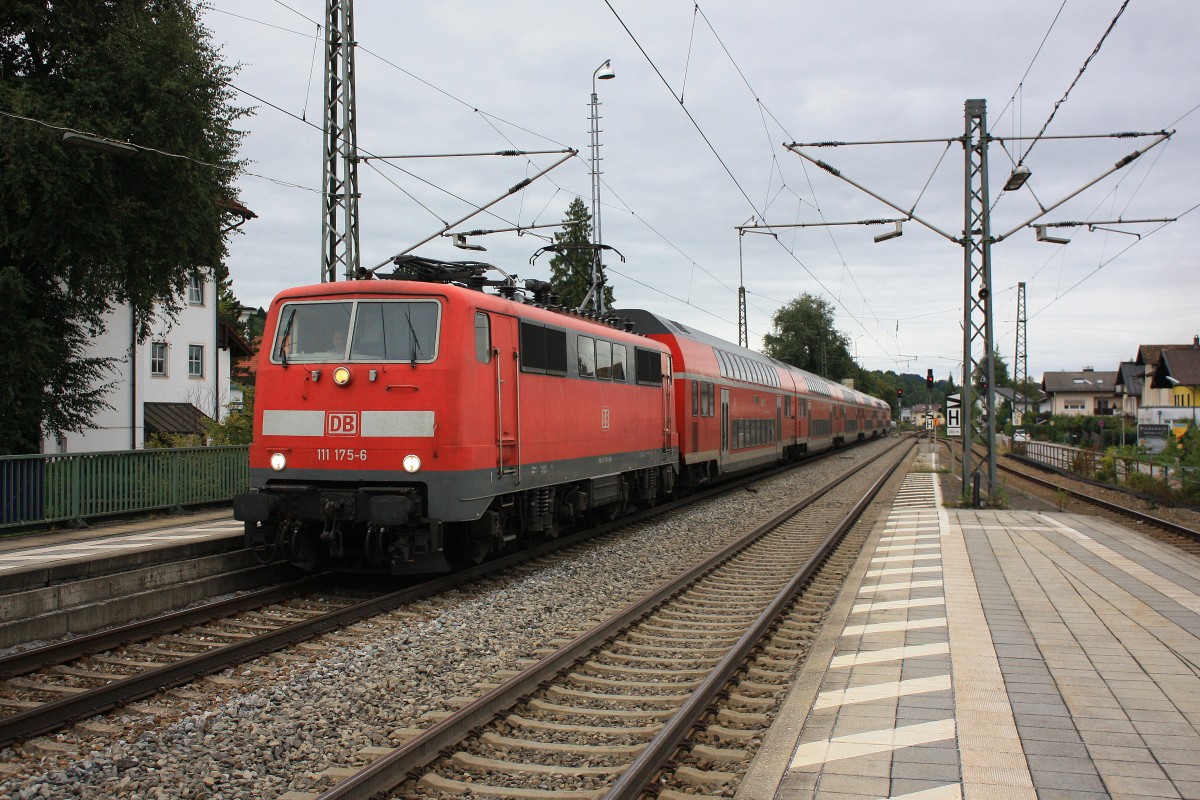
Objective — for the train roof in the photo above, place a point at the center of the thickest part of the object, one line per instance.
(648, 323)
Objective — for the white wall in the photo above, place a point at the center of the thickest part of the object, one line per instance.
(123, 427)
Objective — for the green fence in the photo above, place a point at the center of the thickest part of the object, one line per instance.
(78, 486)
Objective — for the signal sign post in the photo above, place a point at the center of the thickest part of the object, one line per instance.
(953, 415)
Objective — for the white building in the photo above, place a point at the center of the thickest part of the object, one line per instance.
(167, 384)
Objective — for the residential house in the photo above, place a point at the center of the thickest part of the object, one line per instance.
(1131, 379)
(170, 383)
(1178, 372)
(1149, 356)
(1019, 403)
(1084, 393)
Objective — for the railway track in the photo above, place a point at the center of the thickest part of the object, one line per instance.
(605, 713)
(43, 689)
(1117, 504)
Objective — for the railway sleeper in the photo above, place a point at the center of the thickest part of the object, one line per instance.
(645, 731)
(613, 713)
(619, 750)
(595, 680)
(630, 658)
(668, 699)
(463, 789)
(471, 761)
(619, 669)
(719, 755)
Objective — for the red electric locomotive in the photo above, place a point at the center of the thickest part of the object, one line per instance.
(412, 424)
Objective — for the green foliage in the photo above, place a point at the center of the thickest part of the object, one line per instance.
(571, 268)
(238, 427)
(804, 336)
(84, 230)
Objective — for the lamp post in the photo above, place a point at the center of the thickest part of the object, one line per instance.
(603, 72)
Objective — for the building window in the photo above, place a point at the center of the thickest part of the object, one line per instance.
(195, 361)
(158, 358)
(196, 292)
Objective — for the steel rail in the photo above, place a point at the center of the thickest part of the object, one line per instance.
(1107, 505)
(387, 772)
(27, 661)
(645, 768)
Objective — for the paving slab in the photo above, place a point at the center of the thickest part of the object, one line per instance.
(997, 654)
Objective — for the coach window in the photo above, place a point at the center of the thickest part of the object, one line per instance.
(603, 360)
(618, 365)
(587, 357)
(695, 398)
(483, 338)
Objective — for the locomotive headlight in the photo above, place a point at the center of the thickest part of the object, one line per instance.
(278, 461)
(341, 376)
(411, 463)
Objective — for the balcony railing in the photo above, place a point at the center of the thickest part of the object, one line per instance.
(42, 489)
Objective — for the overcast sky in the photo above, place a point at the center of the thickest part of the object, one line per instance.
(679, 177)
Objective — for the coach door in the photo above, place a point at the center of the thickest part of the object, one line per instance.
(778, 427)
(724, 425)
(506, 367)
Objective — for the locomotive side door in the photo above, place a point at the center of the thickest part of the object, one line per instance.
(506, 367)
(668, 401)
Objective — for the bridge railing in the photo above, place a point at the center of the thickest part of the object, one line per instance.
(73, 487)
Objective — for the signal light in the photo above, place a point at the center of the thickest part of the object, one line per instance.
(899, 393)
(929, 378)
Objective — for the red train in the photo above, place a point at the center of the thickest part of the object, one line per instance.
(417, 423)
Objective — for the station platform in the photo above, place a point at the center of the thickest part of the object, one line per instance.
(997, 654)
(43, 559)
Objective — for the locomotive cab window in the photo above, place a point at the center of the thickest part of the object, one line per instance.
(357, 330)
(395, 331)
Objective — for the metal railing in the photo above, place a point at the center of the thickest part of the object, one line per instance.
(78, 486)
(1090, 463)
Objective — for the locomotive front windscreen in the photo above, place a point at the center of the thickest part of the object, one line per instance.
(357, 330)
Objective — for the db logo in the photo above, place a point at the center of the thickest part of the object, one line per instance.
(341, 423)
(605, 419)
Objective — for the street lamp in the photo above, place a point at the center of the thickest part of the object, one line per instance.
(1017, 179)
(604, 72)
(101, 144)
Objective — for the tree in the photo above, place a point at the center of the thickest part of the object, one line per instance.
(571, 267)
(805, 337)
(83, 230)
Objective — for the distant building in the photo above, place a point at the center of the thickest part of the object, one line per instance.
(169, 383)
(1084, 393)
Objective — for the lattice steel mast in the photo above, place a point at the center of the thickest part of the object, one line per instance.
(339, 215)
(1021, 359)
(978, 346)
